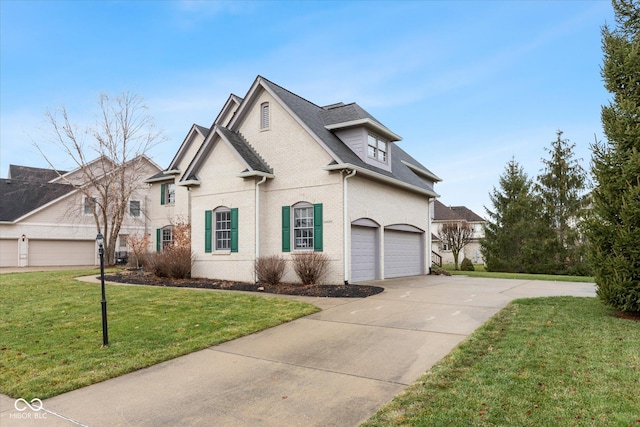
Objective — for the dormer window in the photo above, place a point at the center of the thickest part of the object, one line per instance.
(264, 116)
(377, 148)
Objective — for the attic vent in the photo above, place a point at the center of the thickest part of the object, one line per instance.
(264, 115)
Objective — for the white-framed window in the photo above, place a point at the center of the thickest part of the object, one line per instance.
(264, 115)
(222, 229)
(134, 208)
(377, 148)
(446, 247)
(303, 226)
(170, 196)
(167, 236)
(122, 241)
(89, 205)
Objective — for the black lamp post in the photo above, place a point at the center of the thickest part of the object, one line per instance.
(105, 335)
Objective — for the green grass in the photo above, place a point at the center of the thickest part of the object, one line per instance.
(51, 328)
(480, 272)
(560, 361)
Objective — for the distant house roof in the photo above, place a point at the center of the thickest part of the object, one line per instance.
(21, 197)
(454, 213)
(27, 173)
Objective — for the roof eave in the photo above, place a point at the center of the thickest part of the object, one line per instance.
(189, 183)
(380, 177)
(367, 122)
(254, 173)
(418, 170)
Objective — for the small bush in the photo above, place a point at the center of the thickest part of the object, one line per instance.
(310, 266)
(173, 262)
(270, 269)
(466, 265)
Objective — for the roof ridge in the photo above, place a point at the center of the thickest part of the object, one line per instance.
(287, 90)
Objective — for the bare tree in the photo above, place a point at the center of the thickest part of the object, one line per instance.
(457, 235)
(110, 156)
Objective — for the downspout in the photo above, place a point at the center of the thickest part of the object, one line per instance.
(346, 227)
(264, 178)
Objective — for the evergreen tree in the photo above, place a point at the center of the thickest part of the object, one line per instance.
(614, 229)
(560, 187)
(513, 234)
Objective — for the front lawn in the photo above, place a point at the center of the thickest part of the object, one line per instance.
(560, 361)
(51, 328)
(480, 272)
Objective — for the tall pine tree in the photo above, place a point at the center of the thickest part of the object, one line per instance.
(560, 186)
(614, 230)
(513, 234)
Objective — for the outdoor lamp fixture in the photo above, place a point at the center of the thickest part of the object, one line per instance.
(105, 335)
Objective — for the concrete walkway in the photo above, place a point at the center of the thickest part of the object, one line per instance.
(333, 368)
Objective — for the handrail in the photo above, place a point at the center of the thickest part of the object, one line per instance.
(438, 257)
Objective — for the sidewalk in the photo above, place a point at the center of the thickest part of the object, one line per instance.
(333, 368)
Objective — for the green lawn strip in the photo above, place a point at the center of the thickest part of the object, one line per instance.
(51, 328)
(545, 361)
(479, 272)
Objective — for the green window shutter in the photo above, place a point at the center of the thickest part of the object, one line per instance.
(317, 227)
(208, 231)
(163, 189)
(158, 238)
(234, 229)
(286, 229)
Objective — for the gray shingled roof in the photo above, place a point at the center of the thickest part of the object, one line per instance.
(21, 197)
(28, 173)
(245, 150)
(454, 213)
(316, 117)
(203, 130)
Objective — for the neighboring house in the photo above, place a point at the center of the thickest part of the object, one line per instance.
(46, 221)
(276, 174)
(446, 214)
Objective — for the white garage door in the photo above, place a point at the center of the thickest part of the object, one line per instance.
(403, 254)
(9, 253)
(62, 252)
(363, 254)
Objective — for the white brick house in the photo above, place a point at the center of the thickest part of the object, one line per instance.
(276, 174)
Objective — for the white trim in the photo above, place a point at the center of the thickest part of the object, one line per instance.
(254, 173)
(380, 177)
(421, 171)
(404, 227)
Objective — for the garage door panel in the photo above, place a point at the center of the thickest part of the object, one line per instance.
(363, 254)
(9, 253)
(62, 252)
(403, 254)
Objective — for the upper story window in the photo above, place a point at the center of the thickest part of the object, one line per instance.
(377, 148)
(223, 229)
(168, 194)
(89, 205)
(264, 115)
(134, 208)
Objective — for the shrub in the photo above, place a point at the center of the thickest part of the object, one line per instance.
(270, 269)
(466, 265)
(310, 266)
(176, 259)
(174, 262)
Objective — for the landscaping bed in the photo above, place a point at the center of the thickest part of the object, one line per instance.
(332, 291)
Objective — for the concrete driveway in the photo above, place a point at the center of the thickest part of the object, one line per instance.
(333, 368)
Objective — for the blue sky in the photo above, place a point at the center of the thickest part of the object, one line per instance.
(467, 84)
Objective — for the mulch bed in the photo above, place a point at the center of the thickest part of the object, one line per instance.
(332, 291)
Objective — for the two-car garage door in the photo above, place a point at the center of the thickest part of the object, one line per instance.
(403, 252)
